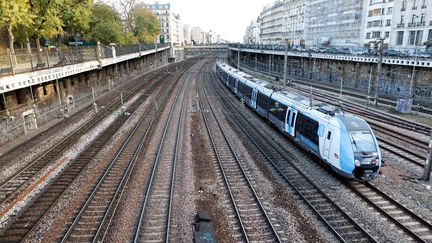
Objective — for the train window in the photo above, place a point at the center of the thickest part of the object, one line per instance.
(293, 119)
(308, 128)
(328, 135)
(289, 113)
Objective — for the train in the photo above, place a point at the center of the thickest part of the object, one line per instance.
(343, 141)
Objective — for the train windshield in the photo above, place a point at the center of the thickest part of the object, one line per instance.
(363, 141)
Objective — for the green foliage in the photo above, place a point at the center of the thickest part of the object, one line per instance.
(75, 15)
(146, 25)
(105, 25)
(47, 22)
(14, 13)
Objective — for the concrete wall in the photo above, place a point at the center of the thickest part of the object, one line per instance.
(395, 79)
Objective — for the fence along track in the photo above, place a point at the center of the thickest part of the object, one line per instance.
(252, 217)
(343, 227)
(154, 219)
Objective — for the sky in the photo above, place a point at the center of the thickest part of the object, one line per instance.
(229, 18)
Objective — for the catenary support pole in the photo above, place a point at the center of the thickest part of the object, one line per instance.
(285, 62)
(378, 78)
(238, 56)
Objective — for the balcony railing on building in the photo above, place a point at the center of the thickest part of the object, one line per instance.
(401, 25)
(417, 24)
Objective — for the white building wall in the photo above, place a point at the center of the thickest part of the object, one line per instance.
(334, 22)
(170, 23)
(407, 27)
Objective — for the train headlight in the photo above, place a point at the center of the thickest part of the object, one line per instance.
(357, 162)
(375, 161)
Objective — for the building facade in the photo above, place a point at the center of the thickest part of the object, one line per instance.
(252, 34)
(171, 27)
(335, 22)
(379, 21)
(271, 23)
(187, 34)
(412, 24)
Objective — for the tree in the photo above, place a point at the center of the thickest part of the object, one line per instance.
(13, 14)
(75, 16)
(127, 13)
(105, 26)
(146, 25)
(47, 22)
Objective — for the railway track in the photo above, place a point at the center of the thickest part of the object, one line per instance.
(265, 149)
(14, 185)
(25, 222)
(105, 101)
(402, 152)
(415, 226)
(155, 214)
(251, 214)
(92, 219)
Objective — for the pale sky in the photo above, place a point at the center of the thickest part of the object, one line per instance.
(229, 18)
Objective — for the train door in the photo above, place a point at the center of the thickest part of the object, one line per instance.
(235, 86)
(291, 122)
(327, 143)
(287, 120)
(254, 98)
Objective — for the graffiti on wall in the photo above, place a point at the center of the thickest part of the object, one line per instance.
(423, 91)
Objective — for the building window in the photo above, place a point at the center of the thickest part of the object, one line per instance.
(388, 22)
(422, 18)
(403, 6)
(368, 35)
(419, 37)
(376, 34)
(411, 37)
(387, 34)
(399, 39)
(414, 7)
(390, 10)
(424, 4)
(402, 19)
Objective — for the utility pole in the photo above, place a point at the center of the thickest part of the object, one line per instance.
(269, 65)
(414, 67)
(238, 55)
(427, 168)
(378, 78)
(285, 62)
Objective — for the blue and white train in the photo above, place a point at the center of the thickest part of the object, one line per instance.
(343, 141)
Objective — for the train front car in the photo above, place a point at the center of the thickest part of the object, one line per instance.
(359, 151)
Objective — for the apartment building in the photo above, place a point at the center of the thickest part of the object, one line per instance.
(412, 24)
(171, 27)
(336, 22)
(379, 21)
(281, 20)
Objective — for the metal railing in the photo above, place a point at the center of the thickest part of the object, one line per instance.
(21, 61)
